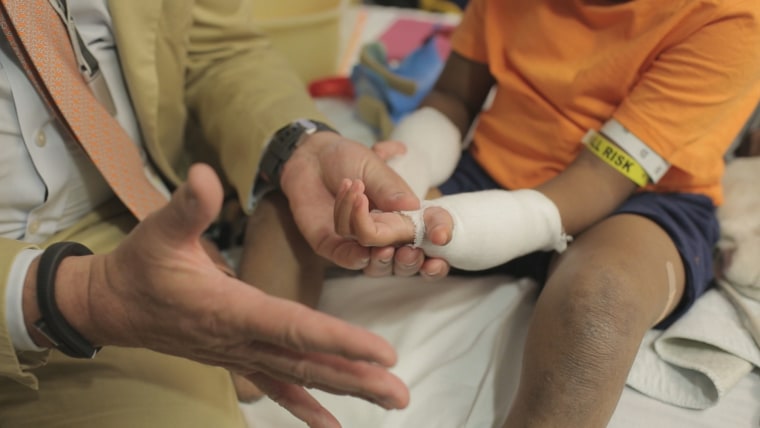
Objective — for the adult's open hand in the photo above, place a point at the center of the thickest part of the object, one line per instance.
(159, 290)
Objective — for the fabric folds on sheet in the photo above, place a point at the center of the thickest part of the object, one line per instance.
(699, 358)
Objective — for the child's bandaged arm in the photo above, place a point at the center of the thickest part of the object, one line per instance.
(496, 226)
(433, 134)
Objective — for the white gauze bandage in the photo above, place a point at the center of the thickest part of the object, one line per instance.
(433, 148)
(492, 227)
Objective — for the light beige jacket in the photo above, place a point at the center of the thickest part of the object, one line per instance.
(191, 66)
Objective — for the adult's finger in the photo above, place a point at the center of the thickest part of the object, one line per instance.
(385, 189)
(193, 206)
(332, 374)
(408, 261)
(434, 269)
(381, 262)
(294, 326)
(296, 400)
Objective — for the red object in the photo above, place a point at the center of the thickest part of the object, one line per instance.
(332, 87)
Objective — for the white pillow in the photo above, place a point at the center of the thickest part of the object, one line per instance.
(739, 218)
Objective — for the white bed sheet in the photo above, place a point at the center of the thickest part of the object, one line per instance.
(460, 344)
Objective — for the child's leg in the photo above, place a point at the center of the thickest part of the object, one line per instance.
(611, 285)
(278, 260)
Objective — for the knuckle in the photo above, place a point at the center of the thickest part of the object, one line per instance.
(302, 373)
(292, 334)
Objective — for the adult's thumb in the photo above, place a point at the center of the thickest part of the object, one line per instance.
(193, 206)
(386, 190)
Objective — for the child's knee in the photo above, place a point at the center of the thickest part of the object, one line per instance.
(602, 303)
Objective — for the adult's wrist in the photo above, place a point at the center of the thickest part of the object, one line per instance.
(280, 148)
(70, 296)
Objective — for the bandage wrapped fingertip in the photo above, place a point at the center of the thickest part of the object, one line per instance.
(418, 221)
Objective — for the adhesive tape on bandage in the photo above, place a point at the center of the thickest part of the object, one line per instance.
(419, 224)
(433, 148)
(615, 157)
(493, 227)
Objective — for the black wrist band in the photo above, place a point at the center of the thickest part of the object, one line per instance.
(52, 324)
(282, 145)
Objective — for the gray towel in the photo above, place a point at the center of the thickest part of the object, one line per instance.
(699, 358)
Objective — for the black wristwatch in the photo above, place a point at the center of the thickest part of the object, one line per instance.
(283, 144)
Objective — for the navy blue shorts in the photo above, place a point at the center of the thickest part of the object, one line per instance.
(688, 219)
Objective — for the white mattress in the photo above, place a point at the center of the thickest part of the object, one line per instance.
(460, 343)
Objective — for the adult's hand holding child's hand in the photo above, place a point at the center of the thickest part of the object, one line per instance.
(312, 178)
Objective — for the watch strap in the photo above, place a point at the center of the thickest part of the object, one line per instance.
(282, 145)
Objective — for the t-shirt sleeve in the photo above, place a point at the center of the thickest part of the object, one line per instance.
(469, 38)
(694, 99)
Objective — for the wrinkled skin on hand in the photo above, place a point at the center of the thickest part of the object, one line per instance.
(160, 290)
(312, 178)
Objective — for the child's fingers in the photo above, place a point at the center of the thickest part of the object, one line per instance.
(354, 220)
(344, 201)
(362, 224)
(389, 149)
(379, 229)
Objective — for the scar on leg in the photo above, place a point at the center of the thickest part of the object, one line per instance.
(671, 290)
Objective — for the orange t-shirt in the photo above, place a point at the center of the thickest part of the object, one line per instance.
(681, 75)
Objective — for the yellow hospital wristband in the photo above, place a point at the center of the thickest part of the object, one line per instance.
(615, 157)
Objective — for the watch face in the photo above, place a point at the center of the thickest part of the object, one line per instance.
(308, 126)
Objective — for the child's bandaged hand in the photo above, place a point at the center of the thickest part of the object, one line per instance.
(433, 149)
(471, 231)
(739, 218)
(492, 227)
